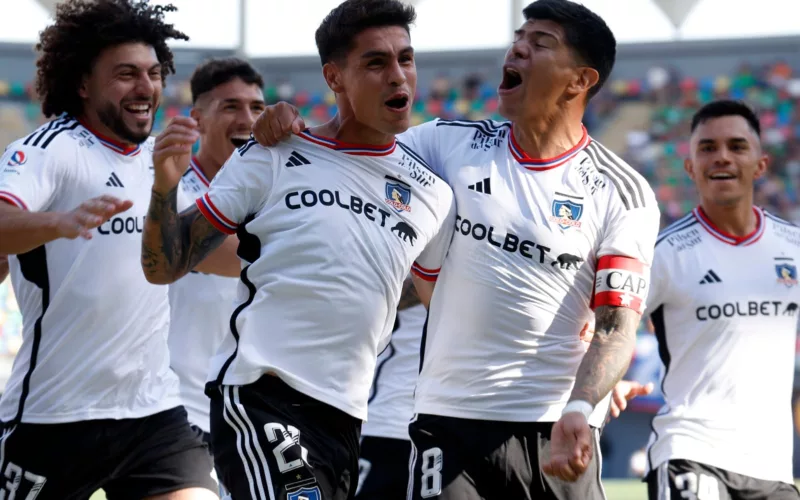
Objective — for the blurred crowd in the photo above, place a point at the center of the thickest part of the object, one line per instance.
(656, 149)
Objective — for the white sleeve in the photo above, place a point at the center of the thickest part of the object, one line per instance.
(625, 255)
(424, 141)
(28, 177)
(239, 189)
(430, 261)
(185, 198)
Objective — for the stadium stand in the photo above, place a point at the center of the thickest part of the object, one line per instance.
(642, 114)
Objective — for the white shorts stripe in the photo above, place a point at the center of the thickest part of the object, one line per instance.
(412, 462)
(599, 458)
(242, 444)
(6, 434)
(663, 481)
(252, 429)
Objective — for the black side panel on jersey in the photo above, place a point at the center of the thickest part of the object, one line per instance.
(249, 250)
(657, 317)
(33, 265)
(422, 341)
(392, 352)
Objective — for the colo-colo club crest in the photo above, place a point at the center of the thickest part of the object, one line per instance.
(398, 195)
(567, 213)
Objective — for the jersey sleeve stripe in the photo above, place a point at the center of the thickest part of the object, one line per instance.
(618, 179)
(778, 219)
(426, 274)
(13, 199)
(676, 228)
(209, 211)
(624, 169)
(416, 157)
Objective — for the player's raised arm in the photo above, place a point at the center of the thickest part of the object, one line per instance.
(28, 182)
(173, 243)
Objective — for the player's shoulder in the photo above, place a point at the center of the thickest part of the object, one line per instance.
(468, 127)
(51, 139)
(683, 234)
(628, 186)
(782, 228)
(252, 151)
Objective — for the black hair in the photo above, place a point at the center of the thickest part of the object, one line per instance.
(215, 72)
(82, 30)
(589, 37)
(340, 27)
(726, 107)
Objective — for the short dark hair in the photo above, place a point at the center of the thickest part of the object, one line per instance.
(215, 72)
(586, 34)
(340, 27)
(726, 107)
(82, 30)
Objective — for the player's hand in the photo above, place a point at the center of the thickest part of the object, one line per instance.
(587, 333)
(89, 215)
(570, 447)
(624, 391)
(277, 123)
(173, 151)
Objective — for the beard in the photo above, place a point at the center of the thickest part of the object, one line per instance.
(111, 116)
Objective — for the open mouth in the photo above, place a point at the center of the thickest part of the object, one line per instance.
(240, 140)
(141, 111)
(398, 102)
(511, 79)
(721, 176)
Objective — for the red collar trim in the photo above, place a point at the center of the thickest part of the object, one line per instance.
(728, 238)
(538, 164)
(112, 144)
(348, 148)
(195, 165)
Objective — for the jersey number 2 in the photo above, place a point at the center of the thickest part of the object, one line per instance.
(693, 487)
(275, 432)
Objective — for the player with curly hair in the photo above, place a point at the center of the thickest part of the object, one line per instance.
(92, 401)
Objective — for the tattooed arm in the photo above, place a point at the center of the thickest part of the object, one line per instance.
(173, 244)
(408, 297)
(609, 353)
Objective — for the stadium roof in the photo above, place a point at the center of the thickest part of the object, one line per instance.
(279, 28)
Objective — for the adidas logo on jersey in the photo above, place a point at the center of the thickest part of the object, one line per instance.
(296, 159)
(113, 181)
(483, 186)
(710, 277)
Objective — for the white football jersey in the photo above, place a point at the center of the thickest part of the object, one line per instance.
(532, 236)
(391, 400)
(328, 231)
(94, 330)
(200, 313)
(725, 315)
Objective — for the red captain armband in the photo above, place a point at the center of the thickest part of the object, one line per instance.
(622, 282)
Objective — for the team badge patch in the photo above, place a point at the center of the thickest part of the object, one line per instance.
(567, 213)
(17, 158)
(398, 196)
(305, 494)
(787, 274)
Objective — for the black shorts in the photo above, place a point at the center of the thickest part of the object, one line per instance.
(460, 459)
(272, 442)
(128, 458)
(681, 479)
(383, 469)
